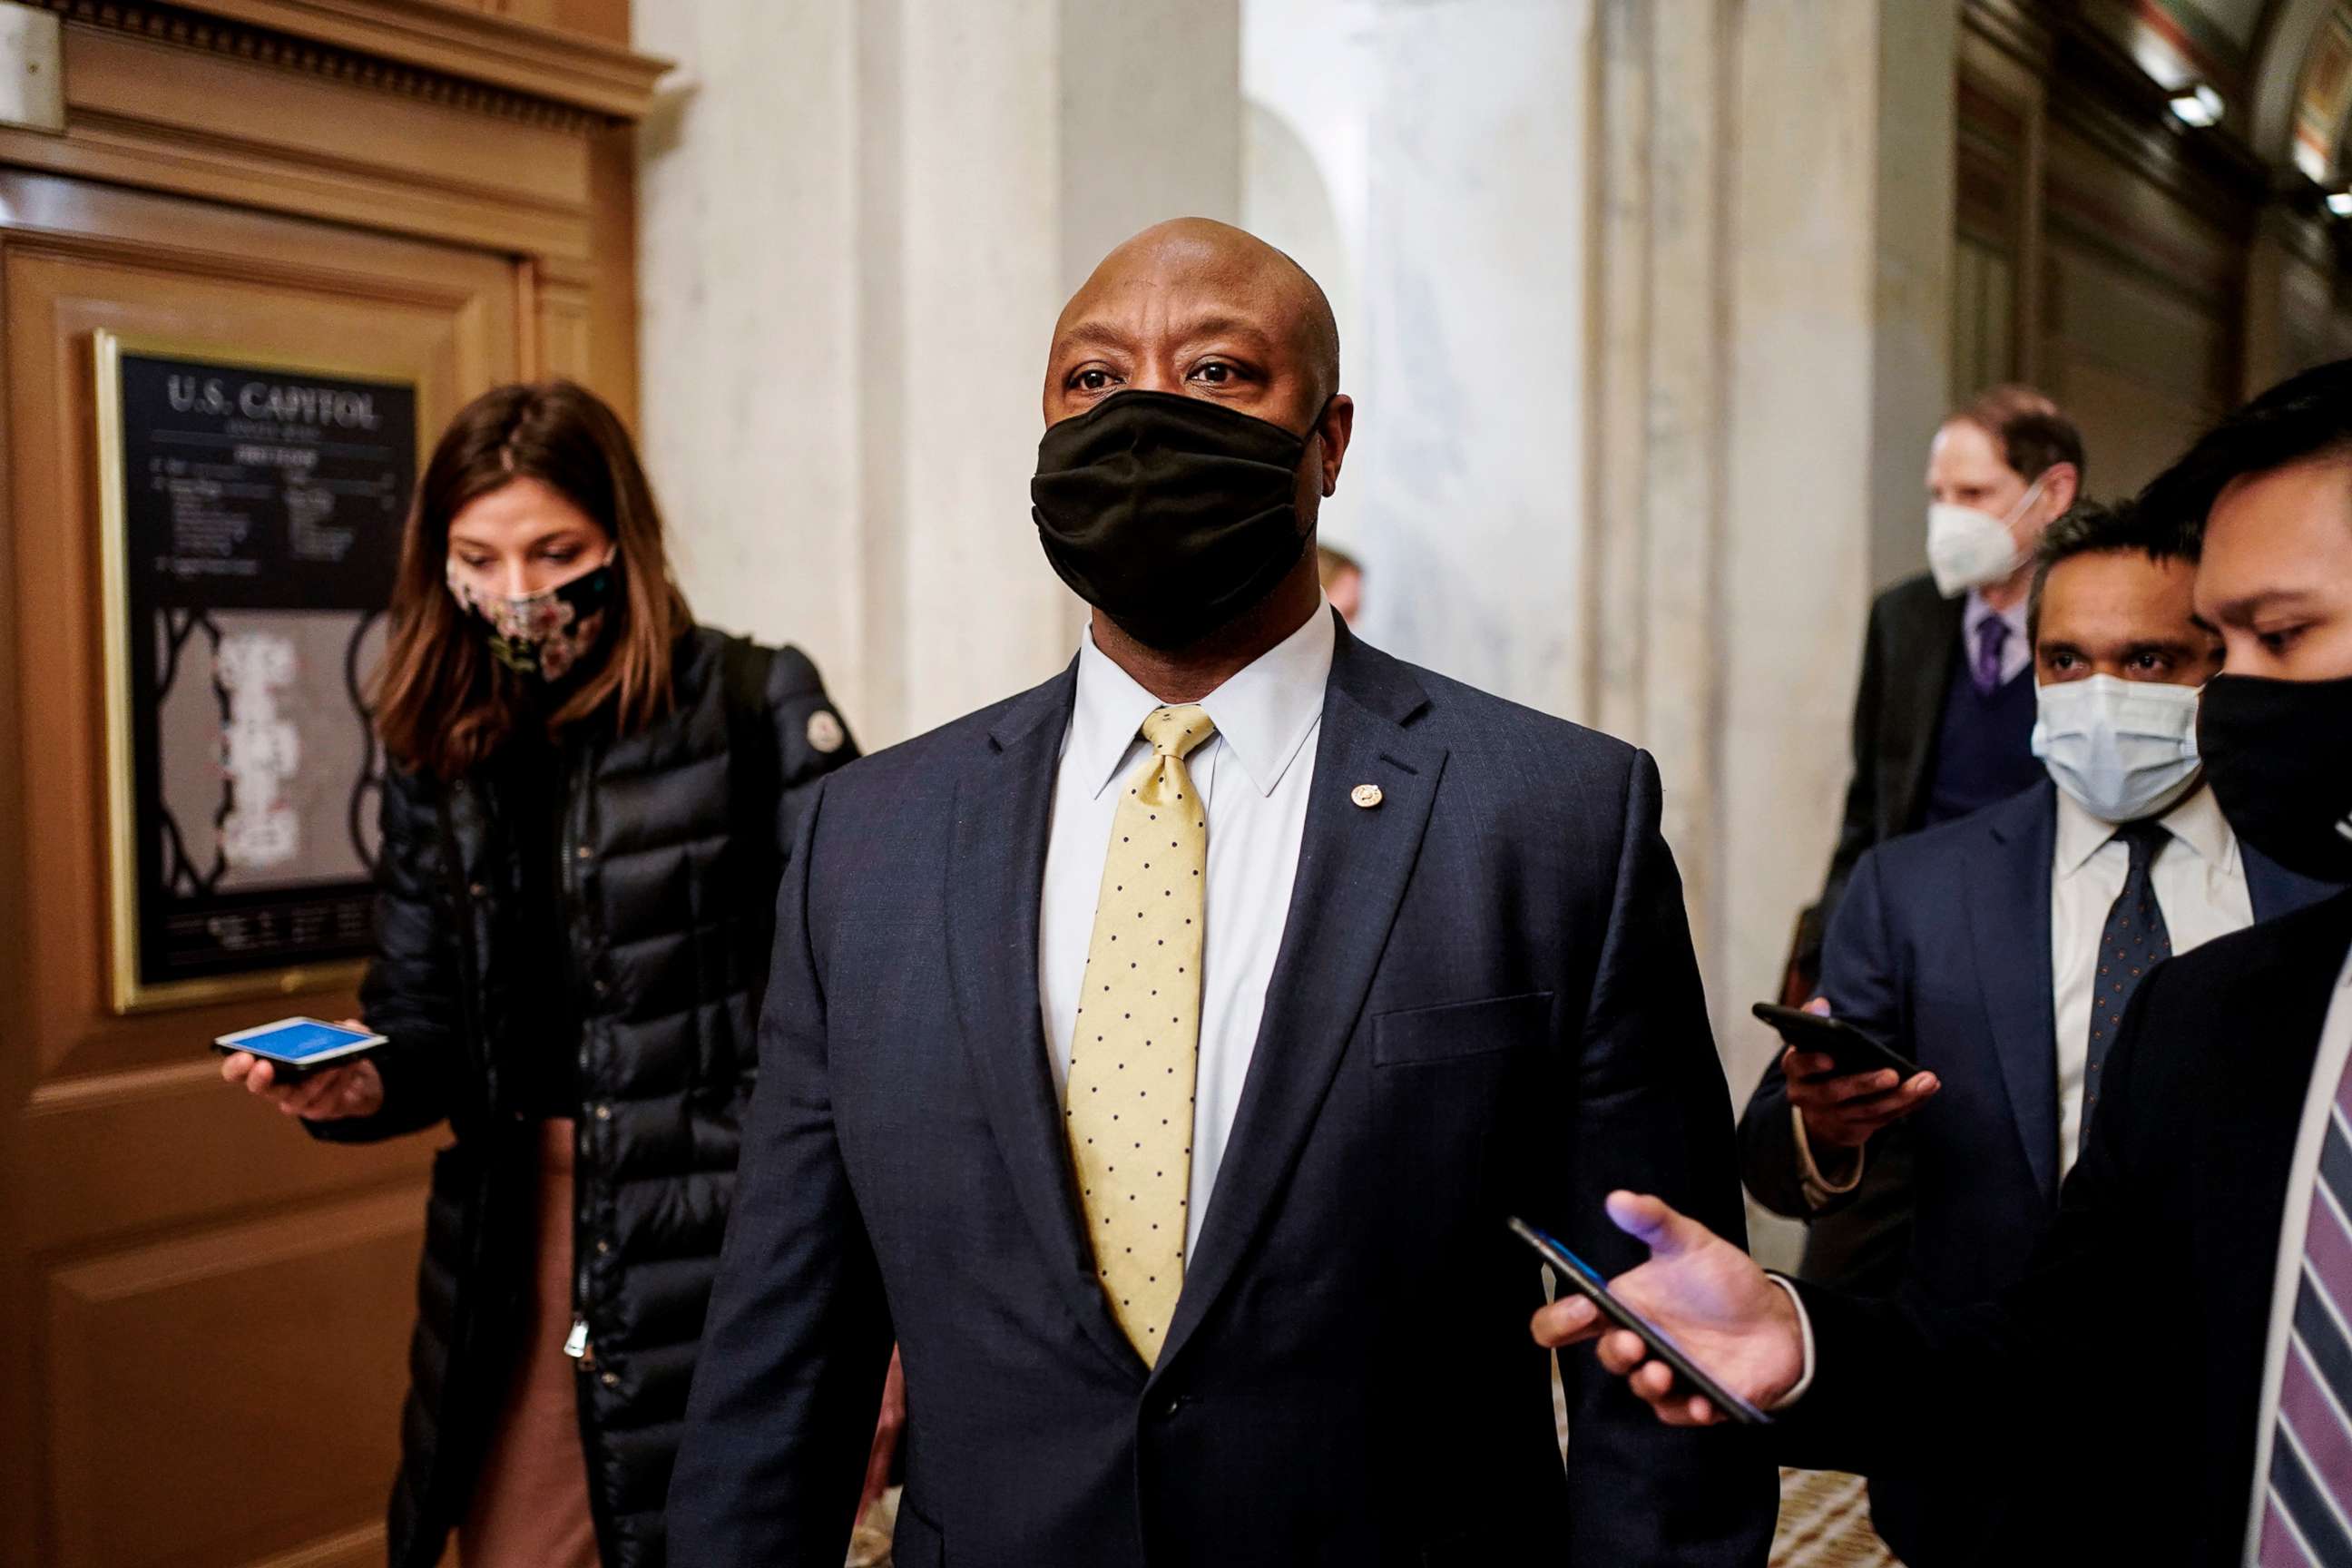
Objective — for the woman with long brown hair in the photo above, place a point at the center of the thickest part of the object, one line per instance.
(590, 802)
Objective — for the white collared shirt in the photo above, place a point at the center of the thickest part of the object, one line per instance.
(2302, 1182)
(1254, 775)
(2200, 885)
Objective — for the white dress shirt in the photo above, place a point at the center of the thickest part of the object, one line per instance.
(2302, 1180)
(1254, 775)
(2200, 887)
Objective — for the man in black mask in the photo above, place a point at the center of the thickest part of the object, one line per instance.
(2173, 1383)
(1159, 1052)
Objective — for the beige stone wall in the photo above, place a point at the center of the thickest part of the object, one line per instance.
(858, 220)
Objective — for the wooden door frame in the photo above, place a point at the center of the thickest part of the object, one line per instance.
(412, 117)
(387, 120)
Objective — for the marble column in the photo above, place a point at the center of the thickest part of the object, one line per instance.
(1841, 199)
(1644, 303)
(1771, 269)
(859, 219)
(1426, 162)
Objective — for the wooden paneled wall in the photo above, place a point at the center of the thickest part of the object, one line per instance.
(203, 1314)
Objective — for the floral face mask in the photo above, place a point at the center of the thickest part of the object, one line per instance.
(546, 634)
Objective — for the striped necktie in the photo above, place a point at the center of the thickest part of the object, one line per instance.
(2307, 1509)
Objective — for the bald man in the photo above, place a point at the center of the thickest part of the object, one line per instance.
(1157, 1054)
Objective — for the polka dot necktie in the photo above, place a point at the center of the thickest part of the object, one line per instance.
(2133, 941)
(1130, 1116)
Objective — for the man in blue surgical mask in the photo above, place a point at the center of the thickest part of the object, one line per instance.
(1997, 952)
(1942, 715)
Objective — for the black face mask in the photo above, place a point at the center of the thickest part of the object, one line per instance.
(2279, 756)
(1170, 514)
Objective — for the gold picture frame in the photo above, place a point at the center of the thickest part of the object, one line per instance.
(129, 991)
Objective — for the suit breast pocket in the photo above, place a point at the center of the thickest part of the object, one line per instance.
(1459, 1031)
(1448, 1086)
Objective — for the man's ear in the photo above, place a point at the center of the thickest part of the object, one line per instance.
(2064, 488)
(1336, 426)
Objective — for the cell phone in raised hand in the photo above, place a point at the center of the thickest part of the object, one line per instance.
(1849, 1047)
(1585, 1280)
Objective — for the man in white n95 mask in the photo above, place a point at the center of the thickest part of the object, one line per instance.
(1997, 952)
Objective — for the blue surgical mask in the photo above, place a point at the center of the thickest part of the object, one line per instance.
(2123, 749)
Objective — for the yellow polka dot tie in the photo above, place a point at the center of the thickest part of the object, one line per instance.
(1139, 1034)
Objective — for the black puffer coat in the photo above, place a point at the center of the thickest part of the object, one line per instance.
(672, 841)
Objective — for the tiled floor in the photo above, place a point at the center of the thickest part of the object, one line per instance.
(1825, 1523)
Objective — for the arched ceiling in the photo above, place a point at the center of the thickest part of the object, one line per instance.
(2283, 67)
(2323, 97)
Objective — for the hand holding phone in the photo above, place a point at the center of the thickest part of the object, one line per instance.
(1718, 1306)
(306, 1068)
(1847, 1085)
(1579, 1276)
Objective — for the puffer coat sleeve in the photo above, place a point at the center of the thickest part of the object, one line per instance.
(413, 993)
(811, 739)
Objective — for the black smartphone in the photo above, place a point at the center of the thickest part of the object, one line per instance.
(1853, 1050)
(1581, 1277)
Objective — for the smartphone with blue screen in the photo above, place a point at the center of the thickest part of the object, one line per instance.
(1585, 1280)
(296, 1047)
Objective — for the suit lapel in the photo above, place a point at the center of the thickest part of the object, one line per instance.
(1353, 866)
(2274, 890)
(2009, 921)
(995, 875)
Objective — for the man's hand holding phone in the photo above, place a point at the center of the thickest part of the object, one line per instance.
(329, 1094)
(1845, 1109)
(1709, 1296)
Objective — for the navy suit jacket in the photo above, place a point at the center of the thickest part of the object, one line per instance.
(1485, 1002)
(1941, 948)
(2120, 1380)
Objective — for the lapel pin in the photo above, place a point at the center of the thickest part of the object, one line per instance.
(1366, 795)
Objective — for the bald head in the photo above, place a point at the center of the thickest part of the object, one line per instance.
(1193, 305)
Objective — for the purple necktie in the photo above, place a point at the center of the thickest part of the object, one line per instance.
(2310, 1493)
(1992, 635)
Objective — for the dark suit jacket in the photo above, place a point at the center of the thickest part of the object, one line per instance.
(1942, 950)
(1485, 1002)
(2120, 1378)
(1906, 670)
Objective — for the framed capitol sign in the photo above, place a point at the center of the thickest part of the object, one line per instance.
(251, 518)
